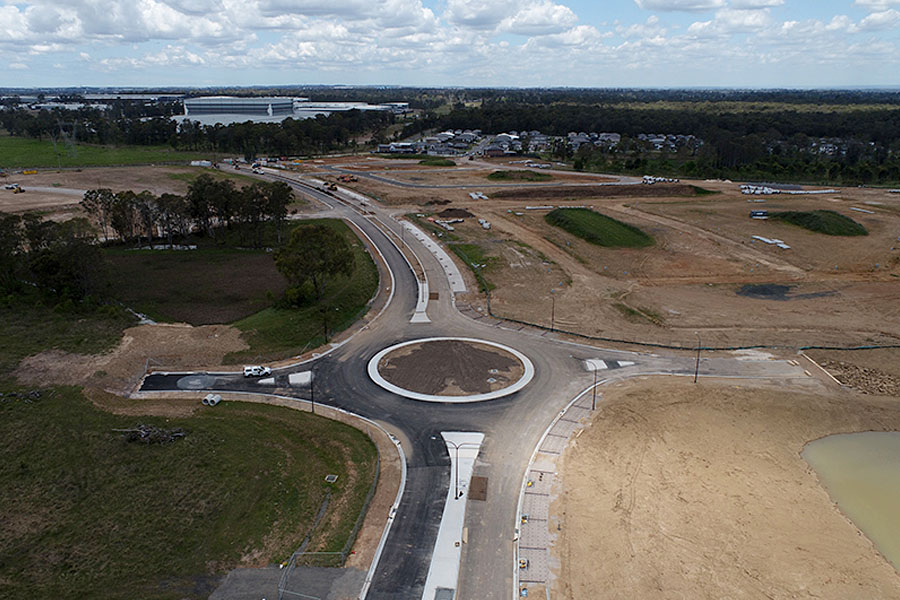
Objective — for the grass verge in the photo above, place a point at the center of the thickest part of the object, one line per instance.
(523, 175)
(474, 258)
(89, 515)
(821, 221)
(27, 152)
(274, 333)
(598, 229)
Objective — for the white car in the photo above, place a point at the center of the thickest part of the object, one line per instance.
(11, 186)
(256, 371)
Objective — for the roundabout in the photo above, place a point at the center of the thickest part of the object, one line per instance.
(451, 370)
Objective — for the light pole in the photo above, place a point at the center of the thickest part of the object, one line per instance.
(312, 391)
(456, 447)
(697, 365)
(552, 309)
(594, 390)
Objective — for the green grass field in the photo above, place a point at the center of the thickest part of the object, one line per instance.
(17, 152)
(278, 332)
(524, 175)
(598, 229)
(821, 221)
(88, 515)
(200, 287)
(238, 179)
(437, 162)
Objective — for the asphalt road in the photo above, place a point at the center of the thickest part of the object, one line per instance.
(512, 425)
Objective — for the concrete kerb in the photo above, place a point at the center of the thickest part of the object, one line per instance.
(419, 316)
(525, 379)
(328, 412)
(523, 487)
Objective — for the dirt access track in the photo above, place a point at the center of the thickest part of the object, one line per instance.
(684, 491)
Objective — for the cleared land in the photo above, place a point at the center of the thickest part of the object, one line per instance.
(89, 514)
(684, 491)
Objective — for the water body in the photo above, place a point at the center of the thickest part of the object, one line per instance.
(861, 472)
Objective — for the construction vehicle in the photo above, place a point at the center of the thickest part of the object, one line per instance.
(19, 190)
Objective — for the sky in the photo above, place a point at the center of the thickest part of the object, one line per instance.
(474, 43)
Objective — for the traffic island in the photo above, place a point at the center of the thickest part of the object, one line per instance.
(451, 369)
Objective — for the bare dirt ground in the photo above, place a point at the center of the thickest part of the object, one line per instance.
(685, 491)
(172, 346)
(61, 190)
(451, 368)
(841, 291)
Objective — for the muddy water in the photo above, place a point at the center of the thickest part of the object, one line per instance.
(861, 472)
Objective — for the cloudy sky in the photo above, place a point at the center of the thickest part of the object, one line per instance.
(590, 43)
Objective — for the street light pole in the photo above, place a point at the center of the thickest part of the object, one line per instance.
(312, 391)
(552, 310)
(697, 365)
(456, 448)
(594, 389)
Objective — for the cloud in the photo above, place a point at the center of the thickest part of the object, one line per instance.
(755, 4)
(884, 19)
(541, 18)
(877, 5)
(680, 5)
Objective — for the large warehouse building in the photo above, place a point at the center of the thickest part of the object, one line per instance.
(233, 105)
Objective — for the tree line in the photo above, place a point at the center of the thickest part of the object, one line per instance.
(211, 206)
(317, 135)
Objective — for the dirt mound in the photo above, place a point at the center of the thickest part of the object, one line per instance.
(597, 191)
(455, 213)
(172, 346)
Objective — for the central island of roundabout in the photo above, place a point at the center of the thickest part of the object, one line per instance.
(451, 369)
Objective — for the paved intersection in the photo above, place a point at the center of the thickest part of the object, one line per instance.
(513, 426)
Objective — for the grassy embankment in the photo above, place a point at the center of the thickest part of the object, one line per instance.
(598, 229)
(522, 175)
(90, 515)
(437, 162)
(87, 514)
(821, 221)
(216, 284)
(17, 152)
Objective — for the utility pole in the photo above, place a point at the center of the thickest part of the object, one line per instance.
(312, 391)
(552, 310)
(697, 365)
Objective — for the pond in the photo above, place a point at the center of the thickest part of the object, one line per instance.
(861, 472)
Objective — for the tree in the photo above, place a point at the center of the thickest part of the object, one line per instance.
(10, 251)
(98, 204)
(278, 196)
(314, 254)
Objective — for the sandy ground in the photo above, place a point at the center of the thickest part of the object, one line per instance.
(683, 491)
(120, 370)
(62, 190)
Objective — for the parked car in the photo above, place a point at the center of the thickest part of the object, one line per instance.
(256, 371)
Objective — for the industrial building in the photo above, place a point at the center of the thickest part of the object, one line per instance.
(234, 105)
